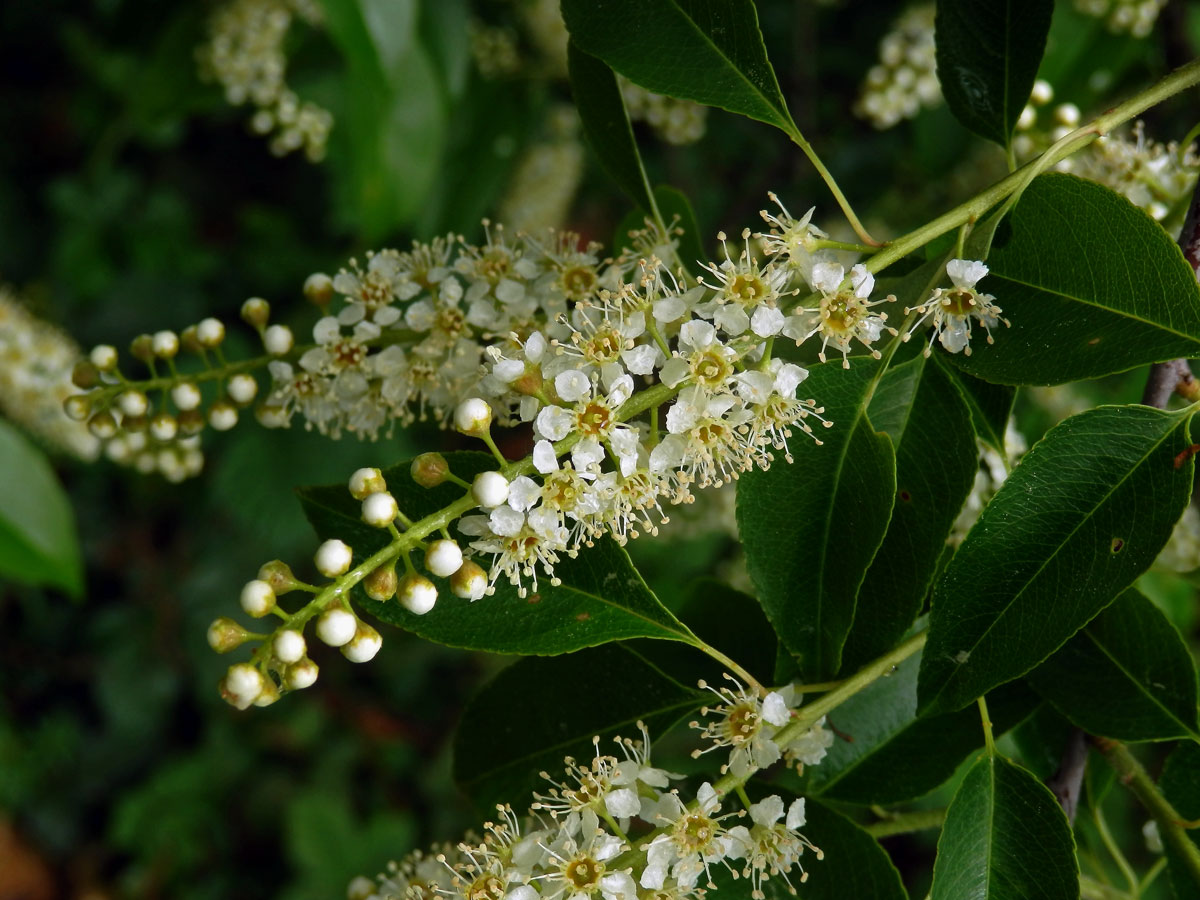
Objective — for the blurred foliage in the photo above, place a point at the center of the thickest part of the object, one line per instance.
(133, 198)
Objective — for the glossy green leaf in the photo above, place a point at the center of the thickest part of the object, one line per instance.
(709, 51)
(602, 597)
(1005, 838)
(885, 754)
(538, 711)
(1085, 513)
(990, 404)
(811, 528)
(1126, 675)
(606, 124)
(853, 866)
(1091, 284)
(38, 543)
(988, 53)
(1180, 784)
(930, 427)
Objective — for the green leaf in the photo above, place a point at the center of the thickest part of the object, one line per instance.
(990, 404)
(1180, 784)
(1085, 513)
(811, 527)
(1092, 286)
(988, 53)
(602, 597)
(538, 711)
(1127, 675)
(892, 756)
(38, 543)
(853, 865)
(930, 427)
(606, 124)
(709, 51)
(1005, 838)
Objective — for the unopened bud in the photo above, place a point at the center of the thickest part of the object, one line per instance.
(210, 332)
(268, 695)
(301, 675)
(379, 509)
(364, 645)
(242, 389)
(278, 575)
(416, 593)
(443, 558)
(318, 288)
(242, 685)
(278, 340)
(289, 646)
(77, 407)
(222, 415)
(164, 427)
(489, 489)
(224, 634)
(381, 584)
(189, 340)
(333, 558)
(257, 598)
(133, 403)
(165, 344)
(186, 396)
(104, 357)
(469, 582)
(142, 347)
(85, 375)
(473, 416)
(103, 425)
(256, 311)
(365, 482)
(191, 421)
(430, 469)
(336, 626)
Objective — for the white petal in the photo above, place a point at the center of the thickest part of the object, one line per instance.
(622, 803)
(620, 391)
(327, 330)
(506, 521)
(731, 319)
(535, 347)
(554, 423)
(768, 811)
(572, 385)
(795, 815)
(641, 359)
(586, 453)
(669, 309)
(774, 708)
(766, 321)
(788, 378)
(544, 459)
(965, 273)
(523, 493)
(827, 276)
(675, 371)
(697, 333)
(862, 280)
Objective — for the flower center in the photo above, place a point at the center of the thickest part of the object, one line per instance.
(696, 832)
(747, 289)
(742, 724)
(579, 282)
(710, 368)
(958, 302)
(584, 873)
(603, 346)
(594, 419)
(841, 313)
(485, 887)
(494, 265)
(376, 289)
(451, 321)
(347, 353)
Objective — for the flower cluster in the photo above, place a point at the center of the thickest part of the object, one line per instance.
(612, 830)
(675, 121)
(544, 181)
(36, 364)
(1135, 17)
(245, 55)
(905, 78)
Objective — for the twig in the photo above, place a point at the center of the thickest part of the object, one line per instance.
(1066, 783)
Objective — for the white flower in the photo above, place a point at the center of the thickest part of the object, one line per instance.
(842, 315)
(953, 309)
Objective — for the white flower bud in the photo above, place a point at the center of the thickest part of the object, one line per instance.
(210, 332)
(469, 582)
(104, 357)
(242, 388)
(336, 627)
(268, 695)
(379, 509)
(257, 598)
(278, 340)
(165, 344)
(490, 489)
(242, 685)
(361, 888)
(365, 482)
(77, 407)
(1042, 93)
(318, 288)
(222, 415)
(365, 644)
(473, 416)
(301, 675)
(1067, 115)
(133, 403)
(289, 646)
(164, 427)
(416, 593)
(224, 634)
(185, 396)
(333, 558)
(443, 558)
(103, 426)
(256, 311)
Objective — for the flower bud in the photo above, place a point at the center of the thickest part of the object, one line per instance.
(469, 582)
(135, 425)
(300, 675)
(443, 558)
(256, 311)
(416, 593)
(222, 415)
(278, 575)
(191, 421)
(185, 396)
(365, 482)
(242, 685)
(142, 348)
(242, 388)
(333, 558)
(103, 425)
(133, 403)
(336, 627)
(85, 375)
(163, 427)
(490, 489)
(224, 634)
(318, 288)
(77, 407)
(364, 645)
(430, 469)
(257, 598)
(529, 384)
(289, 646)
(165, 344)
(379, 509)
(189, 340)
(381, 584)
(270, 415)
(268, 695)
(473, 416)
(278, 340)
(210, 333)
(104, 357)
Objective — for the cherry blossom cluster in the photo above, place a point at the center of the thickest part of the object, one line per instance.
(1135, 17)
(245, 55)
(675, 121)
(612, 829)
(905, 78)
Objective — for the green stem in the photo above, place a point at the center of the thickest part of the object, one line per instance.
(807, 150)
(1170, 823)
(729, 664)
(1113, 850)
(1091, 889)
(903, 823)
(986, 721)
